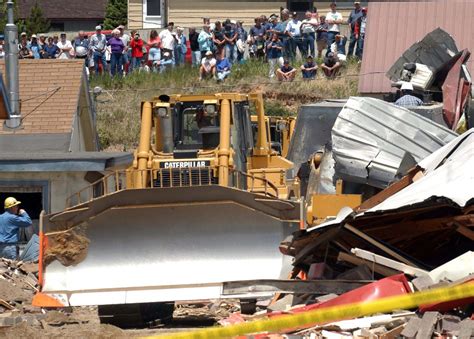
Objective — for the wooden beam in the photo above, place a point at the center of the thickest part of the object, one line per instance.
(322, 239)
(372, 257)
(385, 271)
(389, 191)
(379, 245)
(467, 232)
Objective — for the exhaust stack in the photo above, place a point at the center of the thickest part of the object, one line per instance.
(11, 68)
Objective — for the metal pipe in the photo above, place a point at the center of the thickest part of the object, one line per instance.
(143, 151)
(224, 143)
(11, 68)
(167, 133)
(158, 141)
(262, 147)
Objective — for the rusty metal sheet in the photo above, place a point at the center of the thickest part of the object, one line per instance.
(405, 23)
(455, 91)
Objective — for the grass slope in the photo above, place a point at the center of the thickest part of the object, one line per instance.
(118, 106)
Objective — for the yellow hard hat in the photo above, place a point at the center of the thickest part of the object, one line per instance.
(10, 202)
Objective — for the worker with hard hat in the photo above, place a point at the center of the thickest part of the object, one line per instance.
(408, 99)
(10, 222)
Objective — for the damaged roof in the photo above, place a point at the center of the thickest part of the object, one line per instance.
(448, 174)
(406, 23)
(373, 140)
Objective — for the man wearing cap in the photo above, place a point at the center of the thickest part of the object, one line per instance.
(230, 36)
(23, 38)
(286, 72)
(408, 99)
(208, 66)
(293, 30)
(42, 40)
(334, 19)
(309, 68)
(35, 47)
(168, 40)
(331, 65)
(65, 47)
(354, 17)
(11, 221)
(97, 45)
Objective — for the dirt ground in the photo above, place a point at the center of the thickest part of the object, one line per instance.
(83, 322)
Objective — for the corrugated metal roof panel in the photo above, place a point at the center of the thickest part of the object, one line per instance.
(372, 139)
(448, 174)
(393, 27)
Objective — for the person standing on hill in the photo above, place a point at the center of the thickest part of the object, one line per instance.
(334, 20)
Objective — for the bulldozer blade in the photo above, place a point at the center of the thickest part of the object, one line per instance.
(166, 244)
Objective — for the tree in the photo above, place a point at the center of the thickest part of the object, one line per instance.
(115, 14)
(36, 23)
(3, 15)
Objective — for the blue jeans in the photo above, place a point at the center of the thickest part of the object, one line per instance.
(352, 44)
(154, 54)
(309, 43)
(136, 62)
(125, 59)
(360, 46)
(180, 57)
(331, 39)
(166, 64)
(8, 251)
(196, 58)
(116, 64)
(100, 56)
(231, 53)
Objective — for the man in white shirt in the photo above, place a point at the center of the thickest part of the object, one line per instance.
(308, 30)
(168, 40)
(208, 66)
(334, 19)
(293, 30)
(66, 51)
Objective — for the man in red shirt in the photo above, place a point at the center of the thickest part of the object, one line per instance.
(136, 44)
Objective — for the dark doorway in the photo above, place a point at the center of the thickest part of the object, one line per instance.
(31, 202)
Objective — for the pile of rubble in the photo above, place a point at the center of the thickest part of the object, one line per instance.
(413, 233)
(18, 318)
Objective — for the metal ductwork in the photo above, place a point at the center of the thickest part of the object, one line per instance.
(11, 68)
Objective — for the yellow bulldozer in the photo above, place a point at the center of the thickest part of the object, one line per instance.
(203, 204)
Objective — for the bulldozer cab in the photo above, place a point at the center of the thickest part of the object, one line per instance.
(196, 133)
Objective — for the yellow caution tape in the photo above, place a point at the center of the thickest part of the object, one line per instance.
(331, 314)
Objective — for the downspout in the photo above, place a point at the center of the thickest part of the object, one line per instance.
(224, 143)
(143, 151)
(11, 68)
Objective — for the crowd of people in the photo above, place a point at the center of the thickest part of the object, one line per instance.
(279, 40)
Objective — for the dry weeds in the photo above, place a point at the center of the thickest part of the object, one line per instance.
(118, 106)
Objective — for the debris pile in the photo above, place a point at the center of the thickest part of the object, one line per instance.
(414, 233)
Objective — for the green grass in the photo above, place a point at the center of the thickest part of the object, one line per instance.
(118, 106)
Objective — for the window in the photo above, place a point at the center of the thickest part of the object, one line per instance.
(153, 7)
